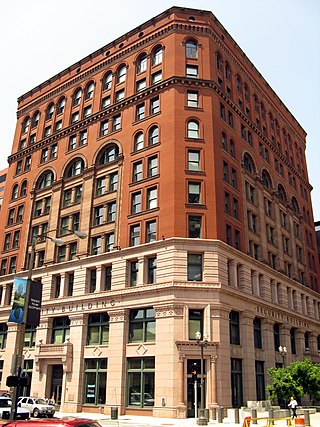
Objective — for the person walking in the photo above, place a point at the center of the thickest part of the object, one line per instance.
(293, 405)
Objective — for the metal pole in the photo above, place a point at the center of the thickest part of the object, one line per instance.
(202, 420)
(18, 356)
(195, 398)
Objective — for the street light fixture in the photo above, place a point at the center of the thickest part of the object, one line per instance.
(283, 354)
(202, 343)
(18, 356)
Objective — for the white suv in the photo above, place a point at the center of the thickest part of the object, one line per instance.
(5, 409)
(36, 407)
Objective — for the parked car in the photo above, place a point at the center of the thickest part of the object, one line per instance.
(36, 407)
(56, 422)
(5, 409)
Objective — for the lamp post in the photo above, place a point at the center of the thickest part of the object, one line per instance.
(202, 343)
(283, 354)
(17, 362)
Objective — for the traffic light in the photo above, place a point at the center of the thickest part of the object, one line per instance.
(194, 372)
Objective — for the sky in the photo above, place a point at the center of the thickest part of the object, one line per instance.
(281, 37)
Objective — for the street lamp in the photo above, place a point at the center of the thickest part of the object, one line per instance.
(18, 356)
(202, 343)
(283, 354)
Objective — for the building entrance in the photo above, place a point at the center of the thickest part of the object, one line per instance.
(56, 383)
(191, 413)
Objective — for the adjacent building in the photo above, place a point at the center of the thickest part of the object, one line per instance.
(3, 176)
(188, 174)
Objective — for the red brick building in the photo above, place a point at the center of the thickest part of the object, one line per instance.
(188, 173)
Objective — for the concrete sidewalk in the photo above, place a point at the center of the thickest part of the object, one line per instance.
(140, 421)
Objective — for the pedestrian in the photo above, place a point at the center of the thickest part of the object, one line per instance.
(293, 405)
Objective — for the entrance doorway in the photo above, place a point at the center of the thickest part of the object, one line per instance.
(56, 383)
(191, 413)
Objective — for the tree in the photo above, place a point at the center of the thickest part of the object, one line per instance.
(298, 379)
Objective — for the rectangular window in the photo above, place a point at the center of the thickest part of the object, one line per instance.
(152, 198)
(98, 329)
(192, 99)
(140, 112)
(152, 270)
(234, 328)
(257, 333)
(120, 95)
(195, 323)
(96, 245)
(100, 186)
(194, 189)
(107, 277)
(72, 250)
(111, 211)
(155, 105)
(151, 231)
(83, 138)
(142, 325)
(136, 203)
(135, 235)
(260, 382)
(156, 77)
(113, 182)
(98, 215)
(61, 253)
(70, 283)
(194, 160)
(152, 166)
(116, 122)
(141, 84)
(192, 71)
(105, 102)
(44, 155)
(92, 280)
(134, 269)
(104, 128)
(194, 226)
(195, 267)
(67, 195)
(141, 378)
(137, 172)
(95, 381)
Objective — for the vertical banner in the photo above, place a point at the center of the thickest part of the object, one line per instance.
(34, 304)
(19, 300)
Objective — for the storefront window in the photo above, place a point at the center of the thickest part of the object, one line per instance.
(140, 388)
(95, 381)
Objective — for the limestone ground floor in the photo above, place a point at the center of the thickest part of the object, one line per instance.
(129, 341)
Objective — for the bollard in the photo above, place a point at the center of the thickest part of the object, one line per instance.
(307, 418)
(220, 415)
(214, 413)
(254, 415)
(236, 416)
(271, 415)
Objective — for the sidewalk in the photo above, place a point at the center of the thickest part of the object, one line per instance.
(140, 421)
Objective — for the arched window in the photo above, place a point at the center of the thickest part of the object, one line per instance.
(295, 205)
(89, 90)
(23, 189)
(61, 105)
(26, 124)
(249, 163)
(35, 119)
(219, 62)
(142, 63)
(108, 154)
(45, 180)
(266, 179)
(282, 193)
(15, 192)
(228, 71)
(76, 167)
(138, 141)
(193, 129)
(121, 74)
(154, 135)
(107, 81)
(50, 111)
(157, 55)
(192, 49)
(77, 97)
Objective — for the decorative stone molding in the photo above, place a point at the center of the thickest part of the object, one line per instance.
(170, 310)
(117, 316)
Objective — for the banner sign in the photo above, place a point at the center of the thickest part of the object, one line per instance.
(19, 300)
(34, 305)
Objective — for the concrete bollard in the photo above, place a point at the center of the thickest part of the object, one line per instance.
(214, 413)
(306, 418)
(220, 414)
(254, 415)
(237, 416)
(271, 416)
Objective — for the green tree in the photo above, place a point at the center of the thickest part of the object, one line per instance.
(299, 379)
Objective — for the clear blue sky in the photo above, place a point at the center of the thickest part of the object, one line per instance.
(281, 37)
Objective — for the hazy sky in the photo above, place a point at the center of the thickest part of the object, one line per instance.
(39, 38)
